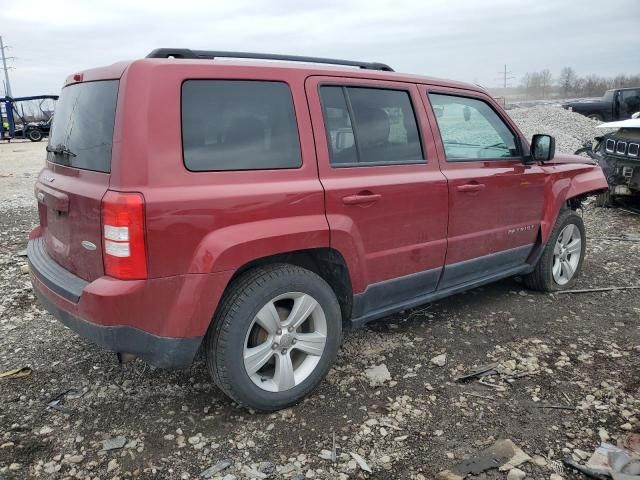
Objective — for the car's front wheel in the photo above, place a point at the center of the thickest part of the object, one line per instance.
(274, 337)
(561, 260)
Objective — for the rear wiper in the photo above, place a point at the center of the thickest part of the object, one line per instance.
(60, 150)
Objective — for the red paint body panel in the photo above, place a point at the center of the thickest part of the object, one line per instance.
(165, 307)
(202, 227)
(509, 200)
(404, 232)
(568, 176)
(69, 214)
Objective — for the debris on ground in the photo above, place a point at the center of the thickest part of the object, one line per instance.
(377, 375)
(57, 402)
(16, 373)
(632, 442)
(218, 467)
(599, 289)
(609, 460)
(503, 455)
(439, 360)
(361, 462)
(478, 372)
(114, 443)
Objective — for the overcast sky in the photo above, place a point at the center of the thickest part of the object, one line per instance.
(459, 39)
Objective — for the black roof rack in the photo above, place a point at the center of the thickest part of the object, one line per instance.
(211, 54)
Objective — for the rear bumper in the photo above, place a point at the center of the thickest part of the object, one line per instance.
(161, 352)
(161, 320)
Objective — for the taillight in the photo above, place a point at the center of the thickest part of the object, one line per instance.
(123, 235)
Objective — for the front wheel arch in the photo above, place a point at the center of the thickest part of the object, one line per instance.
(541, 277)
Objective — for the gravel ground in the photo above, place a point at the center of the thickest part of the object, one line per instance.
(571, 130)
(408, 418)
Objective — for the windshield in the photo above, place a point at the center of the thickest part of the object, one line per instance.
(82, 130)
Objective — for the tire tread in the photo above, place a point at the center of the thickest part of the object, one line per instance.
(239, 292)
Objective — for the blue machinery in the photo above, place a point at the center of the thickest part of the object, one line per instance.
(9, 113)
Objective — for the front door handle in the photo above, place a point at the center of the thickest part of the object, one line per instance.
(471, 187)
(361, 198)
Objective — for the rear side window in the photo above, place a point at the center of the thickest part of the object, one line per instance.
(238, 125)
(370, 126)
(83, 126)
(471, 129)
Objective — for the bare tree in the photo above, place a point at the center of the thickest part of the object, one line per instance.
(567, 80)
(546, 79)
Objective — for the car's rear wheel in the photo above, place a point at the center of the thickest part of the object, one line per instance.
(274, 337)
(34, 135)
(561, 260)
(595, 116)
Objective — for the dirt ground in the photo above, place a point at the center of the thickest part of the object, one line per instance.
(580, 352)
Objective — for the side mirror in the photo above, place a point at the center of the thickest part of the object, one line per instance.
(543, 147)
(636, 115)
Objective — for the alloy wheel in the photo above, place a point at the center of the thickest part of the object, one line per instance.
(566, 254)
(285, 341)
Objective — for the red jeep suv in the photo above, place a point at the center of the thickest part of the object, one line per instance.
(257, 206)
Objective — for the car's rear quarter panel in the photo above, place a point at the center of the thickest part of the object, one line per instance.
(200, 222)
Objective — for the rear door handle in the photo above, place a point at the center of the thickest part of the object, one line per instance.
(361, 198)
(471, 187)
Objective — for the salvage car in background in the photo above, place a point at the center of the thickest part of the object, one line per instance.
(618, 154)
(615, 104)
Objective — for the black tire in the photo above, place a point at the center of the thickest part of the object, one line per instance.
(225, 341)
(595, 116)
(34, 135)
(541, 278)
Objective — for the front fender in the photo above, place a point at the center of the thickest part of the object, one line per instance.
(566, 181)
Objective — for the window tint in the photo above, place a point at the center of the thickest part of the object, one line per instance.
(238, 125)
(83, 124)
(471, 129)
(370, 125)
(630, 102)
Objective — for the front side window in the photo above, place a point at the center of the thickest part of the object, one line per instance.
(630, 102)
(238, 125)
(370, 126)
(471, 129)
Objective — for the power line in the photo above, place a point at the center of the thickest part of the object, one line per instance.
(7, 84)
(506, 75)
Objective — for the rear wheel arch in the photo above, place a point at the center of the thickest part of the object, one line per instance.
(328, 263)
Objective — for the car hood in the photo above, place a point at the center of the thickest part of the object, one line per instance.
(630, 123)
(565, 158)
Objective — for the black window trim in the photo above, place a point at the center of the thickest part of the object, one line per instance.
(520, 158)
(295, 115)
(343, 86)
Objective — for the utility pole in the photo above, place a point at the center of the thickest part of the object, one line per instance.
(506, 75)
(7, 85)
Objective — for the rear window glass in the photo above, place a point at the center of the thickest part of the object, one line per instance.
(238, 125)
(370, 126)
(82, 129)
